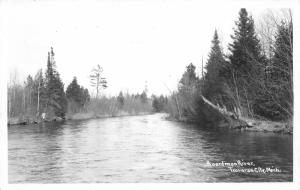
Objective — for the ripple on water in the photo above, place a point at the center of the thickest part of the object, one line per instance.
(139, 149)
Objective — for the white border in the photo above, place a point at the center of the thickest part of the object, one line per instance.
(294, 4)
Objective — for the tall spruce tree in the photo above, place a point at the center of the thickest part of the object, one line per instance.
(246, 61)
(56, 98)
(213, 81)
(277, 100)
(282, 72)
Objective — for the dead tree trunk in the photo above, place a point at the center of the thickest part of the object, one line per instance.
(232, 120)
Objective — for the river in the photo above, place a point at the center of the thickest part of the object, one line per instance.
(142, 149)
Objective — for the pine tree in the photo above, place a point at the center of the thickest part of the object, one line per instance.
(144, 97)
(121, 100)
(77, 96)
(247, 62)
(282, 61)
(277, 100)
(56, 98)
(282, 70)
(74, 95)
(213, 81)
(73, 91)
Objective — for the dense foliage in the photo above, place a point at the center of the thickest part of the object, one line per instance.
(56, 101)
(159, 103)
(77, 96)
(250, 81)
(245, 82)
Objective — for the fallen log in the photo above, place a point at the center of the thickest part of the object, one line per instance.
(232, 119)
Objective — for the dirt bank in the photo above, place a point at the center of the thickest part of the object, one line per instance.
(268, 126)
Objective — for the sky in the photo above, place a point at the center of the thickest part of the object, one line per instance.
(136, 42)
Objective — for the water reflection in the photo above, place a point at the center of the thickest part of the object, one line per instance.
(140, 149)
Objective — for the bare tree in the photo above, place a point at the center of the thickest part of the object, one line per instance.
(97, 80)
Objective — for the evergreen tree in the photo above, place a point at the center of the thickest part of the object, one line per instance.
(73, 91)
(158, 103)
(213, 87)
(282, 70)
(77, 96)
(189, 79)
(282, 61)
(144, 97)
(56, 98)
(246, 61)
(121, 100)
(74, 95)
(188, 91)
(277, 101)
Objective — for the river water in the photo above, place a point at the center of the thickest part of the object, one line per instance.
(142, 149)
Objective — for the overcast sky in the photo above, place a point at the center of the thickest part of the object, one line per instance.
(133, 41)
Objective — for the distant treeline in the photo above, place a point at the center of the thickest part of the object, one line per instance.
(255, 79)
(45, 93)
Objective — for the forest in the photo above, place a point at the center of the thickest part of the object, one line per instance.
(254, 80)
(45, 94)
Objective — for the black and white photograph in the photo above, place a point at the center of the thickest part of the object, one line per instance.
(148, 92)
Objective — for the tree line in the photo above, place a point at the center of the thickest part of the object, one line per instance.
(253, 80)
(45, 93)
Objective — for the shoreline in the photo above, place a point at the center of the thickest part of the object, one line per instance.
(74, 117)
(251, 125)
(86, 116)
(256, 125)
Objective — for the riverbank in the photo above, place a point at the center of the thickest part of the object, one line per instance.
(85, 116)
(243, 124)
(258, 125)
(268, 126)
(76, 116)
(247, 124)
